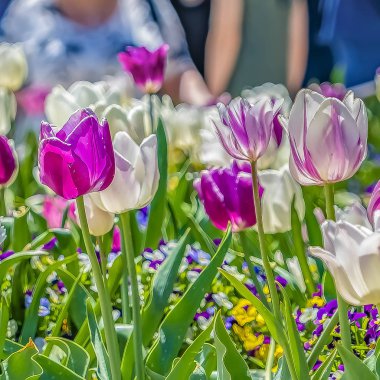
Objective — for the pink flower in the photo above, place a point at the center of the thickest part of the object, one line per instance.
(245, 129)
(328, 137)
(374, 203)
(330, 90)
(53, 209)
(8, 162)
(146, 67)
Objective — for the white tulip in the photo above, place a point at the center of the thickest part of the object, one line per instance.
(279, 191)
(136, 176)
(8, 107)
(13, 66)
(295, 269)
(99, 221)
(352, 255)
(354, 214)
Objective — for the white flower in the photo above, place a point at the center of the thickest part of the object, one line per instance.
(13, 66)
(279, 191)
(295, 270)
(8, 108)
(136, 176)
(354, 214)
(352, 255)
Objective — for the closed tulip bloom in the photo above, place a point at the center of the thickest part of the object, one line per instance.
(13, 66)
(146, 67)
(352, 255)
(246, 129)
(280, 189)
(136, 176)
(328, 137)
(374, 204)
(226, 195)
(8, 109)
(8, 162)
(78, 158)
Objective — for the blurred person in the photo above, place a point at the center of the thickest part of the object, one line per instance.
(70, 40)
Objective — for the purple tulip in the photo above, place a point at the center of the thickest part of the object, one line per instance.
(146, 67)
(245, 129)
(330, 90)
(227, 196)
(79, 158)
(328, 137)
(8, 162)
(374, 203)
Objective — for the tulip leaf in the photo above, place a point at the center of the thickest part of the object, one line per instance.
(104, 371)
(324, 371)
(4, 317)
(230, 364)
(174, 327)
(22, 365)
(354, 368)
(294, 339)
(187, 364)
(283, 372)
(10, 347)
(158, 205)
(329, 291)
(161, 288)
(31, 318)
(21, 235)
(53, 370)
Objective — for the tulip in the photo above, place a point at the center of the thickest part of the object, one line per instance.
(136, 171)
(8, 162)
(328, 138)
(13, 66)
(374, 204)
(99, 221)
(245, 130)
(8, 108)
(355, 214)
(280, 190)
(352, 255)
(226, 195)
(78, 158)
(146, 67)
(330, 90)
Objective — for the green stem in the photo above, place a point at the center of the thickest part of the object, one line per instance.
(137, 332)
(103, 257)
(342, 304)
(263, 248)
(270, 360)
(251, 269)
(104, 299)
(3, 208)
(151, 113)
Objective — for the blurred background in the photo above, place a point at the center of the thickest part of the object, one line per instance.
(217, 47)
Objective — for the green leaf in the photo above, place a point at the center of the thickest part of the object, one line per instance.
(21, 235)
(294, 339)
(161, 288)
(4, 316)
(104, 371)
(324, 370)
(78, 360)
(354, 368)
(230, 364)
(273, 325)
(329, 291)
(31, 318)
(174, 327)
(55, 371)
(283, 372)
(186, 364)
(158, 205)
(21, 365)
(206, 359)
(10, 347)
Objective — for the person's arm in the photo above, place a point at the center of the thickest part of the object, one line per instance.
(223, 43)
(297, 45)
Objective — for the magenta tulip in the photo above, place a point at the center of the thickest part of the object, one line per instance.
(328, 137)
(227, 196)
(374, 203)
(78, 158)
(245, 129)
(146, 67)
(8, 162)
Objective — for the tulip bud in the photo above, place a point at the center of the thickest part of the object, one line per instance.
(280, 190)
(245, 130)
(13, 66)
(328, 138)
(352, 255)
(78, 158)
(227, 196)
(8, 108)
(146, 67)
(8, 162)
(136, 176)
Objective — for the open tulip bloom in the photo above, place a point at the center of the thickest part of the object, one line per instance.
(78, 158)
(328, 137)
